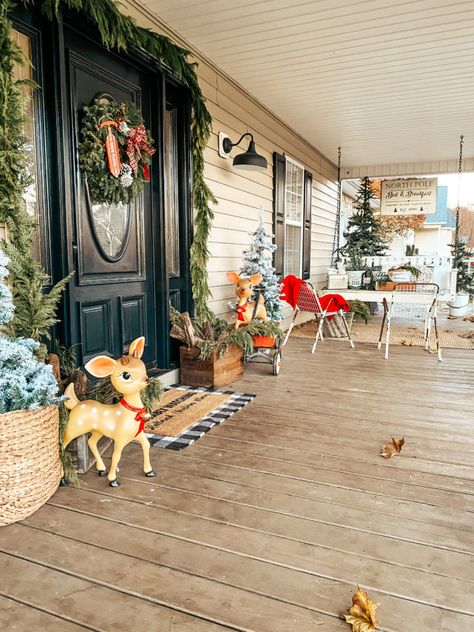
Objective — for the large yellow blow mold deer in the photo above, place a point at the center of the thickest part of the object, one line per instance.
(122, 422)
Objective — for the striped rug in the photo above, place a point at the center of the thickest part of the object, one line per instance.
(186, 413)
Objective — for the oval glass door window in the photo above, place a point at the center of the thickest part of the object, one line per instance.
(111, 226)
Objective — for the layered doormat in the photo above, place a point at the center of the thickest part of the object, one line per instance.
(409, 335)
(186, 413)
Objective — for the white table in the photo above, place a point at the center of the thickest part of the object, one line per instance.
(377, 296)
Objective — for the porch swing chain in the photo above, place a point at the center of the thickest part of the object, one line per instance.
(335, 243)
(461, 145)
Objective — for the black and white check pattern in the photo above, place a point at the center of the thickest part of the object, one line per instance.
(235, 402)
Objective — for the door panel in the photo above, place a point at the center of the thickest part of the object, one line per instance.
(112, 295)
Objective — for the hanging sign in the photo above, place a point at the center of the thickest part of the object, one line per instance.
(414, 196)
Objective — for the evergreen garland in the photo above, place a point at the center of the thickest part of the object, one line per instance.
(364, 231)
(120, 32)
(35, 310)
(13, 154)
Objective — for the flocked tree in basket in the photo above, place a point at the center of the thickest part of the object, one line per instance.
(30, 466)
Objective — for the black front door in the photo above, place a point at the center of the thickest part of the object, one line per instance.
(112, 297)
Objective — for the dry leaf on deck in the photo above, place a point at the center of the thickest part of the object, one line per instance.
(362, 613)
(394, 447)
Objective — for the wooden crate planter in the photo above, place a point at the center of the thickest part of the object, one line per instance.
(214, 372)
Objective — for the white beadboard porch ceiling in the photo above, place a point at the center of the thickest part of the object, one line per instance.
(392, 82)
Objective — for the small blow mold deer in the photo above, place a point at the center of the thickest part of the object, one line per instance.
(122, 422)
(243, 290)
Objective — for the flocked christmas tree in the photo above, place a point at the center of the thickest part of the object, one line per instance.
(364, 236)
(258, 259)
(465, 278)
(25, 383)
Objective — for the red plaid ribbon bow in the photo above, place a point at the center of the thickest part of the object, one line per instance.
(137, 140)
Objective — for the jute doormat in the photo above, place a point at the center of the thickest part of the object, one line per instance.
(399, 335)
(185, 414)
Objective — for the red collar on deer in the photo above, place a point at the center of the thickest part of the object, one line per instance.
(241, 310)
(140, 416)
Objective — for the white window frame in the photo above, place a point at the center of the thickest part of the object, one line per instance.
(290, 222)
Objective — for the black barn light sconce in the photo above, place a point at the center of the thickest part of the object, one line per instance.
(249, 160)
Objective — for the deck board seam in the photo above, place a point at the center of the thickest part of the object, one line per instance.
(309, 498)
(108, 585)
(330, 469)
(61, 617)
(289, 539)
(234, 585)
(291, 515)
(333, 485)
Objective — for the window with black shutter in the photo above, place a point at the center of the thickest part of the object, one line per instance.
(292, 217)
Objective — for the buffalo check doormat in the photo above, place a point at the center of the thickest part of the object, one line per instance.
(186, 413)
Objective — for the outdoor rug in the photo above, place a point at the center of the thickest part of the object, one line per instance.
(400, 334)
(186, 413)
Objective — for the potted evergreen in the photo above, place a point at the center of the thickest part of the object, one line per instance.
(459, 306)
(364, 234)
(30, 465)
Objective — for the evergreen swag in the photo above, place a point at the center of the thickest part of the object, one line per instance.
(215, 335)
(364, 231)
(104, 187)
(258, 259)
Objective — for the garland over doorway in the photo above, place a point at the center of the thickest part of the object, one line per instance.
(121, 33)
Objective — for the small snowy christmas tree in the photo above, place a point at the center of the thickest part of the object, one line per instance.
(25, 383)
(258, 259)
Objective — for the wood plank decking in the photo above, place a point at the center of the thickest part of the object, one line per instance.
(270, 521)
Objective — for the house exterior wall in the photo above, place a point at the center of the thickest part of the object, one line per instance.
(434, 240)
(240, 194)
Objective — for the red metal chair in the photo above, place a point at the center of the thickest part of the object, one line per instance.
(308, 301)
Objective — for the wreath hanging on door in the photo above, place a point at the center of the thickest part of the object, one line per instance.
(115, 151)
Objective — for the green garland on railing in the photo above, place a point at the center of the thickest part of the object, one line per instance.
(120, 32)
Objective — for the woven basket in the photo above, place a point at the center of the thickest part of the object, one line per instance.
(30, 467)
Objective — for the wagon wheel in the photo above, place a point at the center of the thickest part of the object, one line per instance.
(276, 363)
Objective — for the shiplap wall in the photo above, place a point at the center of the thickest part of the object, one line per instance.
(240, 194)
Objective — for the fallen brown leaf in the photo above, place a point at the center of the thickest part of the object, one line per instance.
(394, 447)
(362, 613)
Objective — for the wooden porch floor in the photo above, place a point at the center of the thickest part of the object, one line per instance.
(270, 521)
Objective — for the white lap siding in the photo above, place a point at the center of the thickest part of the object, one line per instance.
(240, 194)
